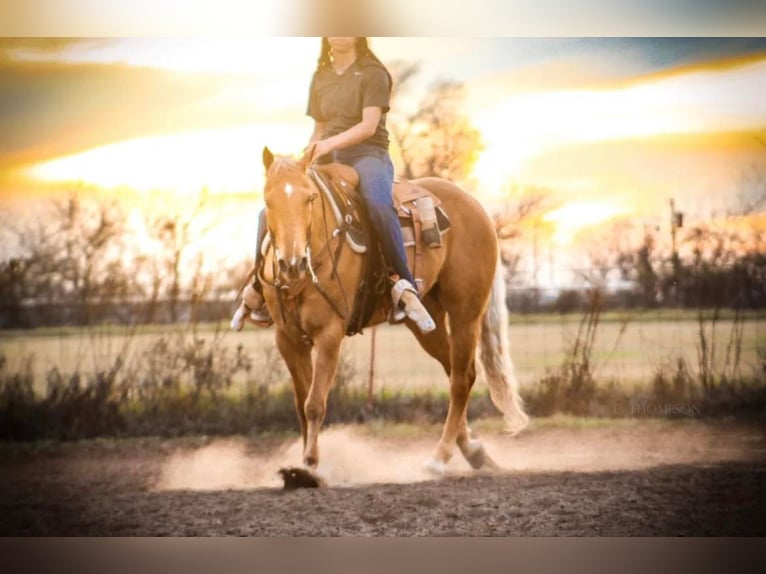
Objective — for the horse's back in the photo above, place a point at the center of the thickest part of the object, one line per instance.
(470, 259)
(469, 221)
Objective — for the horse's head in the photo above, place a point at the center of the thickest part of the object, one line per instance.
(289, 195)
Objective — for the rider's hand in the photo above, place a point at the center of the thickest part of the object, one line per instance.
(321, 148)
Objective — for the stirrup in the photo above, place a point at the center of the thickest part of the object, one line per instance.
(405, 299)
(260, 317)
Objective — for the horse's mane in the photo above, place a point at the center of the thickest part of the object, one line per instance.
(286, 164)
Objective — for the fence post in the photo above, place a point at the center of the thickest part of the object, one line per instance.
(371, 380)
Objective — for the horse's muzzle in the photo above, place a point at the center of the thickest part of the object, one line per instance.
(293, 269)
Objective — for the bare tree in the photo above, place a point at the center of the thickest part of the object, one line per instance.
(14, 274)
(751, 193)
(70, 256)
(89, 259)
(436, 138)
(175, 231)
(611, 252)
(522, 215)
(36, 267)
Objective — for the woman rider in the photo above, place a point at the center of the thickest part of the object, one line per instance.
(348, 100)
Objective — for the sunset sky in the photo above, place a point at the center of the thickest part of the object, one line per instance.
(607, 126)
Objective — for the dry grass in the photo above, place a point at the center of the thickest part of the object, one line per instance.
(106, 383)
(536, 348)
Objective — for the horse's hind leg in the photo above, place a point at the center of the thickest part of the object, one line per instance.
(437, 344)
(472, 448)
(464, 337)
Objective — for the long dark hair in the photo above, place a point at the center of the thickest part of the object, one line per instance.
(362, 47)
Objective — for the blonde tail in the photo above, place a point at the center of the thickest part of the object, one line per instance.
(496, 359)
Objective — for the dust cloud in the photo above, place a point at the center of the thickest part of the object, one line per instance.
(349, 457)
(346, 459)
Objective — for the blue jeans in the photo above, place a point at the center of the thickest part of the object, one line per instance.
(376, 178)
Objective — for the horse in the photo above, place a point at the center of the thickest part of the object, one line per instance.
(310, 283)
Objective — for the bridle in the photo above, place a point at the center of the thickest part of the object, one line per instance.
(289, 291)
(307, 251)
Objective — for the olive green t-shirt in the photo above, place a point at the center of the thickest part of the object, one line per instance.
(338, 100)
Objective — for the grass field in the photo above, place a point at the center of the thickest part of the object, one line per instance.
(629, 352)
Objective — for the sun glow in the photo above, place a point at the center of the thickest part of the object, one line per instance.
(578, 215)
(523, 126)
(226, 160)
(249, 55)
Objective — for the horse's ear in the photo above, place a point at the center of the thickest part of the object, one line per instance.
(308, 157)
(268, 157)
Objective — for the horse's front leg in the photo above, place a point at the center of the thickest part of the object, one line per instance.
(327, 344)
(297, 356)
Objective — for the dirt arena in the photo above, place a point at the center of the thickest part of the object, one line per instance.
(622, 478)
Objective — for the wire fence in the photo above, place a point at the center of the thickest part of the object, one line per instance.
(630, 346)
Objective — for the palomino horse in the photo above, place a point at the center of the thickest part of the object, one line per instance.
(461, 290)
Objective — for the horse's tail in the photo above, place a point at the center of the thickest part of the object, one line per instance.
(496, 358)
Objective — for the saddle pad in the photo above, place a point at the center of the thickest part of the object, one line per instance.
(342, 181)
(345, 178)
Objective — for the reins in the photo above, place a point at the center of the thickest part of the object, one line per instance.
(290, 291)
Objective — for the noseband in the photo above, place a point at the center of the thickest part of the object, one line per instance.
(307, 252)
(290, 290)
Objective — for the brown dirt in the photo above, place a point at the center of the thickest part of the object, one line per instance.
(646, 478)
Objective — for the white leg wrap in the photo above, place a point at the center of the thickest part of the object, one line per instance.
(435, 467)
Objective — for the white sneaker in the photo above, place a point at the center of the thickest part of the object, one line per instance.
(405, 299)
(238, 321)
(252, 309)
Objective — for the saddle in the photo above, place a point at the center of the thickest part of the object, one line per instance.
(422, 220)
(416, 206)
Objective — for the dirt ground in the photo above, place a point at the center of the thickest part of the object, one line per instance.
(642, 478)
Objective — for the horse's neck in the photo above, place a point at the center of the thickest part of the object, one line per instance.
(322, 223)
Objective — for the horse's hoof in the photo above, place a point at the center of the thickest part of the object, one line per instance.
(301, 477)
(480, 460)
(434, 467)
(473, 451)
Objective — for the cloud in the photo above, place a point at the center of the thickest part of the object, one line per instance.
(236, 55)
(48, 110)
(11, 48)
(703, 100)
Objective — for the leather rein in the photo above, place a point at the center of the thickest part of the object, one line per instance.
(290, 291)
